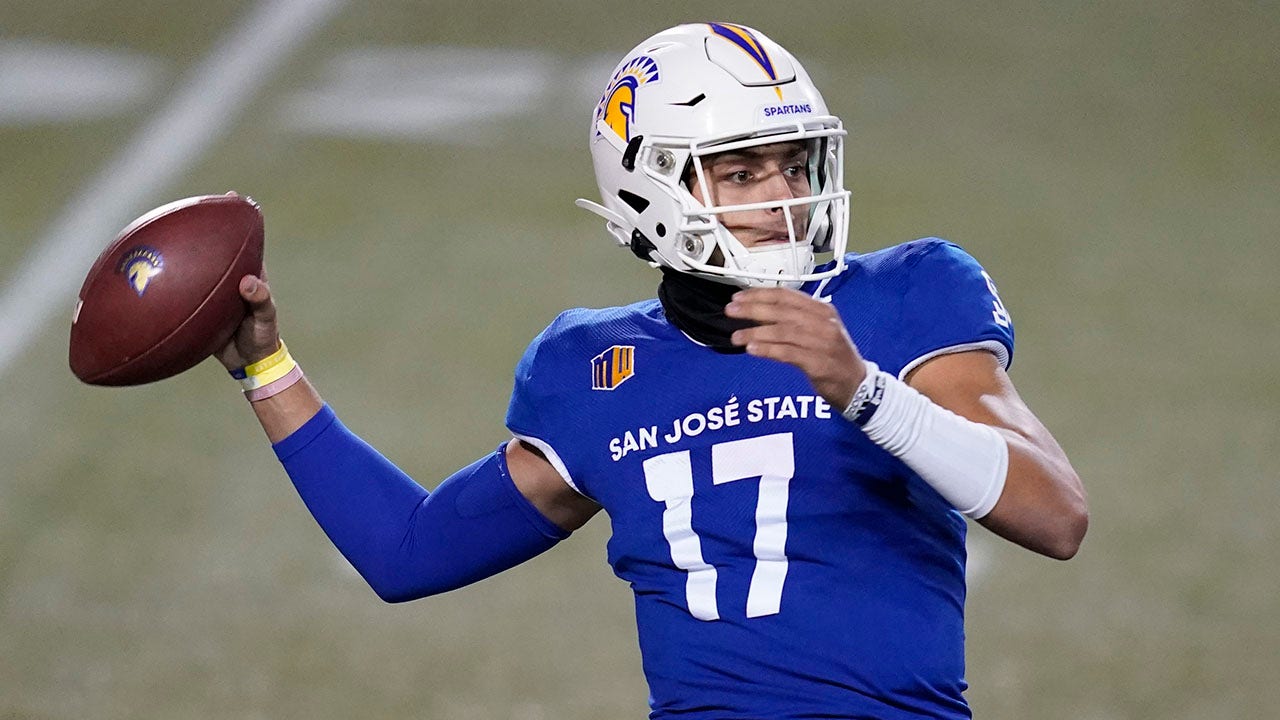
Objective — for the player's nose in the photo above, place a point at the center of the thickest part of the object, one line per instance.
(777, 186)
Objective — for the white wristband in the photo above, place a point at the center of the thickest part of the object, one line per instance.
(965, 461)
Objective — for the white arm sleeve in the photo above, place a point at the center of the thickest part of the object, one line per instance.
(965, 461)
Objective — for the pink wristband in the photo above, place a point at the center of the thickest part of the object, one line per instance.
(276, 386)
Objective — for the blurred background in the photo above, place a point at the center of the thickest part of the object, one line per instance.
(1115, 166)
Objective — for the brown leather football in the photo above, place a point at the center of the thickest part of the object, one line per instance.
(164, 295)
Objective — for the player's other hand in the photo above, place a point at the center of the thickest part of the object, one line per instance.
(796, 329)
(257, 336)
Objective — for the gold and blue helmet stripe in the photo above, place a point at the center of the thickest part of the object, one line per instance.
(749, 44)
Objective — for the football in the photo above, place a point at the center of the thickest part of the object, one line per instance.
(164, 294)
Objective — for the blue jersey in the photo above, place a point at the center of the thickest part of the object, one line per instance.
(783, 565)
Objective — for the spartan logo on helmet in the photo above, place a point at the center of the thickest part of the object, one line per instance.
(618, 104)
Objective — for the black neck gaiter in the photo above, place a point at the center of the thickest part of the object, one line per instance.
(696, 306)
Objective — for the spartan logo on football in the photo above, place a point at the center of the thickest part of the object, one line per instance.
(612, 367)
(139, 265)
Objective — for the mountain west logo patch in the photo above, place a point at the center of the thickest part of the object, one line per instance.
(612, 367)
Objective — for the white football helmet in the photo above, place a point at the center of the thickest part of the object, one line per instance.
(694, 91)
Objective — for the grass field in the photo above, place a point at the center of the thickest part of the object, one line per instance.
(1116, 166)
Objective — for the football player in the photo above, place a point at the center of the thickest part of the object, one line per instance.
(787, 451)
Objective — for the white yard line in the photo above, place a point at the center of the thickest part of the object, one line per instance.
(48, 82)
(200, 112)
(422, 93)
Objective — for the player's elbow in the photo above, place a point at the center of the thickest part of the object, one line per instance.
(1054, 529)
(1069, 532)
(394, 585)
(1061, 513)
(396, 593)
(387, 589)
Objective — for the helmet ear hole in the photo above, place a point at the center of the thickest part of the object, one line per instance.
(633, 201)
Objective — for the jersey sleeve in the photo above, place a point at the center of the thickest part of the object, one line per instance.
(951, 305)
(540, 409)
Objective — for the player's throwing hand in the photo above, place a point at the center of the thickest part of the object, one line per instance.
(257, 337)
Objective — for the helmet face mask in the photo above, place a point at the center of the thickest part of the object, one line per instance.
(676, 103)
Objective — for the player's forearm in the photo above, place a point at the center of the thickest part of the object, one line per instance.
(405, 542)
(987, 455)
(282, 414)
(1043, 505)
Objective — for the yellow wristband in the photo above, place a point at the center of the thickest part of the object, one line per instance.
(267, 370)
(268, 362)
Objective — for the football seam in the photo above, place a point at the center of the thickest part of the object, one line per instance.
(235, 261)
(145, 219)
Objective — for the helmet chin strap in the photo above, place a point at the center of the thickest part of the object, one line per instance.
(777, 261)
(792, 259)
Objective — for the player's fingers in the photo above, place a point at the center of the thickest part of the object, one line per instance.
(249, 287)
(806, 329)
(768, 313)
(762, 305)
(760, 298)
(775, 333)
(257, 293)
(757, 312)
(774, 296)
(782, 352)
(801, 336)
(834, 377)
